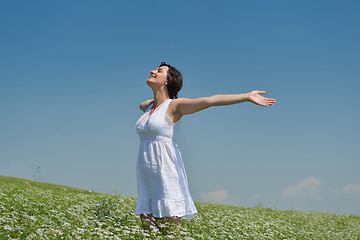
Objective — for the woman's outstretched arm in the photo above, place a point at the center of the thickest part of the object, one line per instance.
(185, 106)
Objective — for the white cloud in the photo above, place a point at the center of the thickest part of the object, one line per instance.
(352, 188)
(220, 195)
(308, 187)
(257, 196)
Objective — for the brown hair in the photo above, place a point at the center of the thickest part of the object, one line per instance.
(174, 80)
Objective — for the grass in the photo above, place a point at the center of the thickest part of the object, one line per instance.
(36, 210)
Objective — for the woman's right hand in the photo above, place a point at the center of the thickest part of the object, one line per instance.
(256, 98)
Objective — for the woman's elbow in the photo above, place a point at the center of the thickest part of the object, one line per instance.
(212, 100)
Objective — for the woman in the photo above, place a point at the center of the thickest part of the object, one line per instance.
(163, 192)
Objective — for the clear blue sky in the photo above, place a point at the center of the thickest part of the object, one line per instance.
(72, 75)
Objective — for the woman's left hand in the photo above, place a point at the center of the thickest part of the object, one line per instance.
(256, 98)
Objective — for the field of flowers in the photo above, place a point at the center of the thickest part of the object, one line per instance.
(33, 210)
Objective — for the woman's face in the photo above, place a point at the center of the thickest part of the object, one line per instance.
(158, 77)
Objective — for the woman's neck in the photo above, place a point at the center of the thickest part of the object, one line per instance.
(160, 96)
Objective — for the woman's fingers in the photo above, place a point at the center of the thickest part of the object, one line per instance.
(268, 102)
(256, 98)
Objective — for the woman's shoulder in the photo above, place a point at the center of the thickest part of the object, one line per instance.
(145, 105)
(178, 100)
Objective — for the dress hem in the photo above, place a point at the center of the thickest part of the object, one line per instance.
(184, 208)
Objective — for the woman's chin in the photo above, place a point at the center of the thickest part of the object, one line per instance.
(149, 82)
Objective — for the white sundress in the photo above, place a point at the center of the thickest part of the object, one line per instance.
(161, 179)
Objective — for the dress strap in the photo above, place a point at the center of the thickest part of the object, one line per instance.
(150, 106)
(167, 102)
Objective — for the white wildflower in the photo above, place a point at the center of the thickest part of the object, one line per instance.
(66, 224)
(7, 227)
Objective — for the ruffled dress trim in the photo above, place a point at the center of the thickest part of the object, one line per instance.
(184, 208)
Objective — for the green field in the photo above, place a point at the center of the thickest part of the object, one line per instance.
(36, 210)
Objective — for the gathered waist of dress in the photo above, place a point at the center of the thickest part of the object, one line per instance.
(156, 138)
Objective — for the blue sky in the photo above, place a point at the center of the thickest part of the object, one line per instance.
(72, 75)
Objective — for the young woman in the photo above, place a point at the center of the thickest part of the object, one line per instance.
(163, 192)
